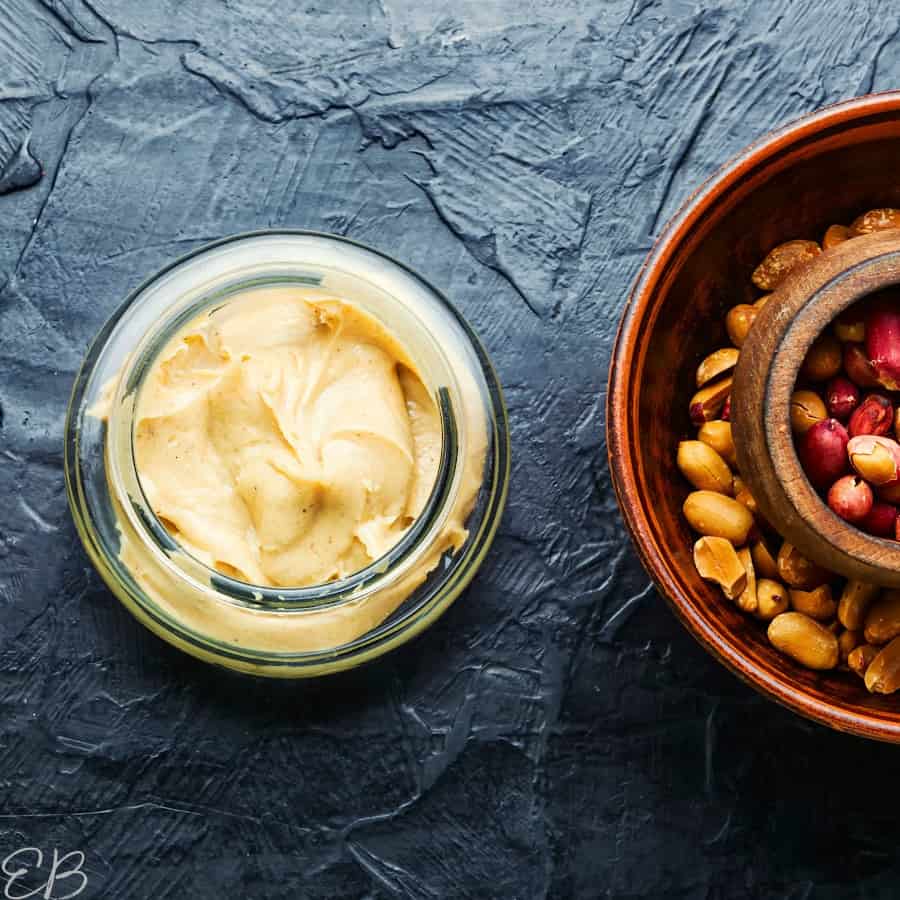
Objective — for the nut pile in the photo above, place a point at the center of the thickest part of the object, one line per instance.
(845, 416)
(846, 406)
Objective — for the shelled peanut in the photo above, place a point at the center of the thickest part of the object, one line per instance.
(845, 414)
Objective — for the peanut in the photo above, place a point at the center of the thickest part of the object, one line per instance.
(875, 220)
(763, 561)
(716, 560)
(851, 498)
(882, 622)
(883, 343)
(716, 515)
(875, 415)
(823, 452)
(771, 599)
(747, 601)
(861, 657)
(725, 415)
(881, 518)
(739, 321)
(804, 640)
(883, 673)
(836, 234)
(848, 641)
(855, 600)
(818, 604)
(707, 403)
(841, 398)
(721, 362)
(859, 367)
(850, 325)
(703, 467)
(807, 408)
(824, 359)
(747, 499)
(781, 261)
(875, 458)
(795, 570)
(717, 434)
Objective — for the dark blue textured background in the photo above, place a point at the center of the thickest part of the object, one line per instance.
(557, 734)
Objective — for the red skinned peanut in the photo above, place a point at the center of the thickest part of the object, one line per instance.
(875, 458)
(706, 404)
(883, 343)
(858, 367)
(851, 498)
(880, 520)
(823, 452)
(842, 397)
(875, 415)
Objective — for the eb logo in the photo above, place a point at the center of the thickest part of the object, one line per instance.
(22, 869)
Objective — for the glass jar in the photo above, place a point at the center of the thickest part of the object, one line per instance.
(277, 631)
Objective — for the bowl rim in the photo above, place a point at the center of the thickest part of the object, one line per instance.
(622, 396)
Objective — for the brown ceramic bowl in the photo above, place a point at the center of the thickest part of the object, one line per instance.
(794, 183)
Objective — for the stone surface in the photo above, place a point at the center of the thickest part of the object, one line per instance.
(557, 734)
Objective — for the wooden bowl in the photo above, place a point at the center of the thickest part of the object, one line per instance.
(828, 167)
(766, 374)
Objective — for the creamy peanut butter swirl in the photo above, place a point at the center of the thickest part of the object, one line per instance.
(287, 441)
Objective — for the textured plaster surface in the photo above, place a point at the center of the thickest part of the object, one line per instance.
(556, 734)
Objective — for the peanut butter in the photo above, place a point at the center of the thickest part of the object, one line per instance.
(287, 440)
